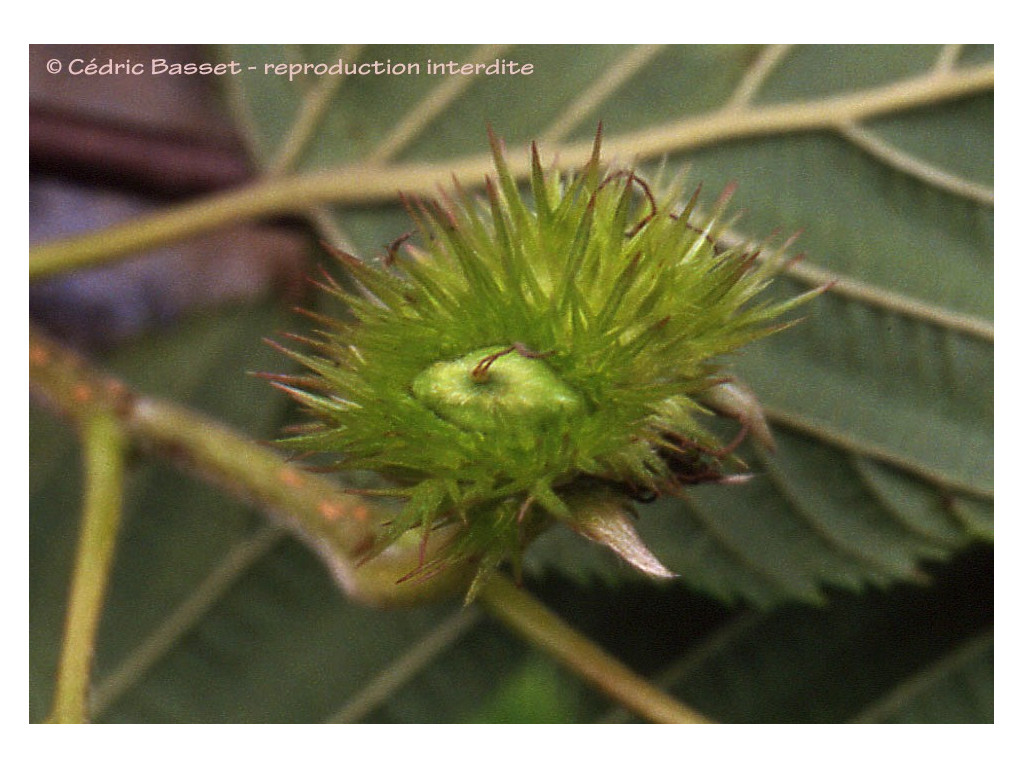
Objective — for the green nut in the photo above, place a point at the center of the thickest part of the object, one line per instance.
(490, 389)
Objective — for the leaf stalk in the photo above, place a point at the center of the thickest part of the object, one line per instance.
(104, 447)
(527, 615)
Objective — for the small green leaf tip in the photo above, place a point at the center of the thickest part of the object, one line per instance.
(526, 359)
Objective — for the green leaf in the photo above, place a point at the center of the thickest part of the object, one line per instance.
(907, 654)
(882, 398)
(958, 688)
(536, 692)
(881, 402)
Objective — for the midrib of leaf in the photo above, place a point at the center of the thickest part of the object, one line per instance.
(359, 183)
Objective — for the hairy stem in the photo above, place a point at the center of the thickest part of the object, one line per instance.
(534, 621)
(103, 444)
(365, 183)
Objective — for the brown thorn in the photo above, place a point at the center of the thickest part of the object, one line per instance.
(523, 509)
(706, 235)
(525, 351)
(318, 317)
(479, 372)
(423, 545)
(595, 155)
(491, 189)
(276, 345)
(423, 572)
(341, 254)
(294, 380)
(727, 192)
(650, 198)
(406, 201)
(793, 261)
(297, 429)
(632, 178)
(331, 282)
(391, 249)
(696, 194)
(791, 239)
(740, 436)
(497, 144)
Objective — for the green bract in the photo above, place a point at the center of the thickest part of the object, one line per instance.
(534, 362)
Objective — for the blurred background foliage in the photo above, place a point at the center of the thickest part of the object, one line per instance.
(852, 580)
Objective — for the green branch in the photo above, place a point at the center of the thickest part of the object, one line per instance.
(372, 183)
(337, 525)
(103, 444)
(535, 622)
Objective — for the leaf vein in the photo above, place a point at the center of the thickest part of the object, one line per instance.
(356, 183)
(832, 436)
(409, 664)
(437, 100)
(185, 616)
(610, 81)
(907, 163)
(918, 684)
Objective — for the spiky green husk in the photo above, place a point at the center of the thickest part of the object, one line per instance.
(520, 352)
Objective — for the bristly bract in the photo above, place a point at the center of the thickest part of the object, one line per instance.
(533, 358)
